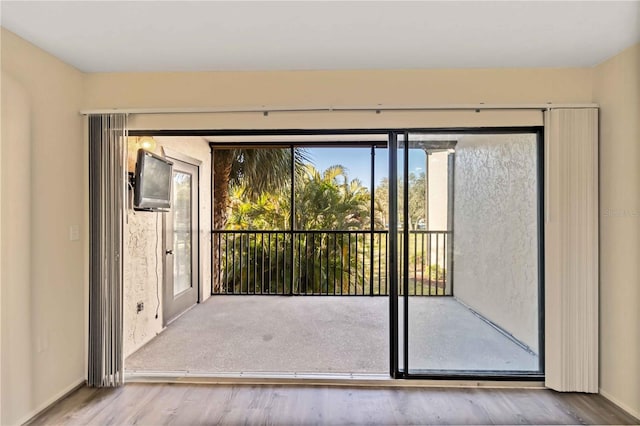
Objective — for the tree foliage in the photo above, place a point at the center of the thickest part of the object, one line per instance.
(328, 252)
(324, 201)
(253, 171)
(417, 200)
(327, 200)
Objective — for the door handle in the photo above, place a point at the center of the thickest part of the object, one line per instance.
(169, 252)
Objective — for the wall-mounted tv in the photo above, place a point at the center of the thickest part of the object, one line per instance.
(152, 182)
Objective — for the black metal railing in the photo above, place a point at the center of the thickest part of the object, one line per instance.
(341, 263)
(429, 261)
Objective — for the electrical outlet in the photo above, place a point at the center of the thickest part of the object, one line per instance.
(42, 342)
(74, 233)
(140, 307)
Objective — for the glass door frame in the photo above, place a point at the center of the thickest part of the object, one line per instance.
(175, 304)
(291, 229)
(392, 145)
(398, 325)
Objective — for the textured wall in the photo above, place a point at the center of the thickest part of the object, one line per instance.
(140, 280)
(495, 226)
(141, 255)
(438, 191)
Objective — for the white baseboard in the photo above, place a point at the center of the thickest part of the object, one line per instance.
(48, 403)
(634, 412)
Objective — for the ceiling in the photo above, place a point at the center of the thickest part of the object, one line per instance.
(109, 36)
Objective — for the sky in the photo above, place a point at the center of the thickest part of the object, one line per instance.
(357, 161)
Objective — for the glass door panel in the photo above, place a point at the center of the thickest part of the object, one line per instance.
(182, 232)
(181, 251)
(468, 254)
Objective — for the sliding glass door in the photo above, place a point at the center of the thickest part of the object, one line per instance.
(466, 242)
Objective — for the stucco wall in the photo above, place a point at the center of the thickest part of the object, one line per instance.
(144, 256)
(617, 90)
(142, 279)
(495, 231)
(438, 191)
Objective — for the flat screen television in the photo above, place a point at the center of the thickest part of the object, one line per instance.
(153, 179)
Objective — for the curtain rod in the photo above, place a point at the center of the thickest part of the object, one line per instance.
(378, 108)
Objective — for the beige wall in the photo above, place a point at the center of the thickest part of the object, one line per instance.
(310, 88)
(140, 259)
(16, 249)
(43, 280)
(617, 89)
(346, 88)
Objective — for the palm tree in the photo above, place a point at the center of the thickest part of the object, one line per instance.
(381, 208)
(253, 172)
(329, 200)
(256, 171)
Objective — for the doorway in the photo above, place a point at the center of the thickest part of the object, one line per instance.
(180, 238)
(419, 273)
(467, 208)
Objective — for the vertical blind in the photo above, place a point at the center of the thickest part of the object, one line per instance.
(107, 180)
(571, 250)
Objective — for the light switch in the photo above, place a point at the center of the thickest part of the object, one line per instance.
(74, 233)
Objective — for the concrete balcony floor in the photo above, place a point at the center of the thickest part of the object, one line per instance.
(325, 334)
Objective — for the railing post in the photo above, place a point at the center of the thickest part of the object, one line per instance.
(372, 219)
(292, 221)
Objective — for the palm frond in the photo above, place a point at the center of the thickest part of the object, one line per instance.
(264, 170)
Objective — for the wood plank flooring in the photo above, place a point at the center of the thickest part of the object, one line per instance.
(159, 404)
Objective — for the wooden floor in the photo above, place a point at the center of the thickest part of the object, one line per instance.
(157, 404)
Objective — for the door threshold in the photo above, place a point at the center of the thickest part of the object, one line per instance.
(177, 317)
(314, 379)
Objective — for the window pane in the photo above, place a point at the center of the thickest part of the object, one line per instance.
(181, 232)
(473, 248)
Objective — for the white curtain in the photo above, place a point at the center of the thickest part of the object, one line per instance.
(107, 180)
(571, 249)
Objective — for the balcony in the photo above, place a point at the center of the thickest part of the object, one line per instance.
(460, 213)
(324, 335)
(240, 331)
